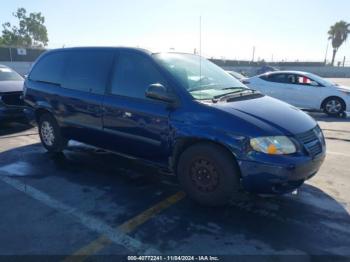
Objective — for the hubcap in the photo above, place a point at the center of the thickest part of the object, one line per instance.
(204, 175)
(47, 133)
(333, 106)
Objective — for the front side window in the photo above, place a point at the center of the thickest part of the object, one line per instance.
(49, 68)
(133, 74)
(88, 70)
(303, 80)
(7, 74)
(200, 77)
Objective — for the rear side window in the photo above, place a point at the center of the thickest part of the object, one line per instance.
(49, 68)
(277, 78)
(88, 70)
(133, 74)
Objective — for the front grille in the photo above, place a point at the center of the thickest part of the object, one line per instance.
(314, 148)
(12, 99)
(311, 141)
(308, 136)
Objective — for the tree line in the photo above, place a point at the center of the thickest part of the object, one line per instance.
(338, 33)
(30, 32)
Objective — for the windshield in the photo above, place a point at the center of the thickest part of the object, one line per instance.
(321, 80)
(200, 77)
(6, 74)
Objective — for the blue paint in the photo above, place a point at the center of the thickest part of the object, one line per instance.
(152, 130)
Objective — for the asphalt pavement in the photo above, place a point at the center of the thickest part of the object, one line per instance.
(90, 202)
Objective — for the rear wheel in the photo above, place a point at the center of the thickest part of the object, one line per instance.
(50, 134)
(208, 174)
(334, 106)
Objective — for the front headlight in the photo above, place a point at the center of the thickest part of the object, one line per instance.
(273, 145)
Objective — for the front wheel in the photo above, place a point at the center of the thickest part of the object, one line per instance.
(209, 174)
(334, 106)
(50, 134)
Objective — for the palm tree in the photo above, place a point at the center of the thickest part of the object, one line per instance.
(338, 33)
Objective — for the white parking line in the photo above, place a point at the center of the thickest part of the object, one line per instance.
(115, 235)
(338, 153)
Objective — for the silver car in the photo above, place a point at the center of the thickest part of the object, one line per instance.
(11, 87)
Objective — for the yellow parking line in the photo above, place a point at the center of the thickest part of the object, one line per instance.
(127, 227)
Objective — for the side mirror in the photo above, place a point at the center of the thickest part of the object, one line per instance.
(159, 92)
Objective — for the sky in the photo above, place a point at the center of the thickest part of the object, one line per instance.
(287, 30)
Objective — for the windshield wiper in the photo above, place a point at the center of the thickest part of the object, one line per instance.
(240, 91)
(234, 88)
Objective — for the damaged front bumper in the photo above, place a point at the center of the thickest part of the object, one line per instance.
(12, 107)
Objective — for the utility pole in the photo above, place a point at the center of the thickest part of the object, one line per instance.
(325, 57)
(10, 53)
(344, 61)
(253, 54)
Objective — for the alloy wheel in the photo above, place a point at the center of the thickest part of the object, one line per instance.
(333, 106)
(47, 133)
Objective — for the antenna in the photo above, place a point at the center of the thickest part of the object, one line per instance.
(200, 50)
(200, 35)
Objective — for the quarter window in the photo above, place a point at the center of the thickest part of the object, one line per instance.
(133, 74)
(88, 70)
(49, 68)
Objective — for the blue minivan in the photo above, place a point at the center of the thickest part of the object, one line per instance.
(179, 112)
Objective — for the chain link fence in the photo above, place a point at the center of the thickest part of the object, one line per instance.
(13, 54)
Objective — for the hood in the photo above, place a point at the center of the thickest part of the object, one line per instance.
(269, 114)
(11, 86)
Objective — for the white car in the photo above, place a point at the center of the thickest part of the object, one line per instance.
(237, 75)
(303, 90)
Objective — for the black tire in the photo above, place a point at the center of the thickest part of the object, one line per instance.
(55, 143)
(333, 106)
(223, 181)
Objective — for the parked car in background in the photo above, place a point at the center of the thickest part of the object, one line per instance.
(178, 112)
(303, 90)
(236, 75)
(12, 106)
